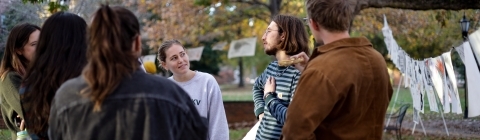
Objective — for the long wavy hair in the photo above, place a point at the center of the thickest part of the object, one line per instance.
(17, 39)
(296, 38)
(110, 56)
(60, 56)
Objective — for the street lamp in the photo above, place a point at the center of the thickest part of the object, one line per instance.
(465, 24)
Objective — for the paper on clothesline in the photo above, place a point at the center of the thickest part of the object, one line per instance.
(473, 74)
(451, 84)
(429, 90)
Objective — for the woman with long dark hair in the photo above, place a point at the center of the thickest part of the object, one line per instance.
(114, 98)
(60, 56)
(19, 50)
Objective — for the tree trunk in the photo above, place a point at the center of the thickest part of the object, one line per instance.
(240, 64)
(274, 7)
(240, 69)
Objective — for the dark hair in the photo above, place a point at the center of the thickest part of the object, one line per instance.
(296, 38)
(110, 56)
(161, 54)
(17, 39)
(60, 56)
(333, 15)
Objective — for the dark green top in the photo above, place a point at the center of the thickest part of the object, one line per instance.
(10, 101)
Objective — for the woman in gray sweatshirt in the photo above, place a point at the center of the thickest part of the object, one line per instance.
(202, 87)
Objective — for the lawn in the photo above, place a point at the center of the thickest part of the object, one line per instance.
(233, 93)
(238, 134)
(404, 97)
(4, 134)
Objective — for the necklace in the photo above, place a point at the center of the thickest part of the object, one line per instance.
(277, 74)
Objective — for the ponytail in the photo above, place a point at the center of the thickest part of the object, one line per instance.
(110, 56)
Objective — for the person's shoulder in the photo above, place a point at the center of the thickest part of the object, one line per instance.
(12, 75)
(72, 85)
(69, 91)
(206, 75)
(158, 82)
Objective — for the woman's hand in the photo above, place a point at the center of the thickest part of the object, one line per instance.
(269, 85)
(301, 66)
(22, 123)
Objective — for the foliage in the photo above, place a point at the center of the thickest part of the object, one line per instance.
(15, 13)
(235, 24)
(53, 6)
(179, 19)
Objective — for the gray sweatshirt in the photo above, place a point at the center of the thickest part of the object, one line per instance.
(207, 98)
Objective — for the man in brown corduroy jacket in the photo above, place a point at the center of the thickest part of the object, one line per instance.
(344, 90)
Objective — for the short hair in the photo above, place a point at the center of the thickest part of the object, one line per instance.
(332, 15)
(296, 38)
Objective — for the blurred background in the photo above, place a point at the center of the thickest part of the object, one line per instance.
(423, 29)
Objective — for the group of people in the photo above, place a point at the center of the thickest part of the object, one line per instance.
(73, 80)
(340, 91)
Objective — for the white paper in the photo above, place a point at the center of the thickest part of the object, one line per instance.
(401, 61)
(428, 84)
(242, 47)
(421, 87)
(437, 76)
(195, 54)
(219, 46)
(252, 133)
(473, 80)
(452, 83)
(416, 117)
(415, 86)
(446, 95)
(461, 52)
(474, 39)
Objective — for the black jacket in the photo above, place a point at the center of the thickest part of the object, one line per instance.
(143, 107)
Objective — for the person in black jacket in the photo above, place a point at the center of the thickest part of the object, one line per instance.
(114, 99)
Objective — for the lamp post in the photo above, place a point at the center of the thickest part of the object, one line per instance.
(465, 24)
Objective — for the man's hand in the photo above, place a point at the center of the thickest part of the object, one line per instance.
(301, 66)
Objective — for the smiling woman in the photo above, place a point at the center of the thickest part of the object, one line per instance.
(202, 87)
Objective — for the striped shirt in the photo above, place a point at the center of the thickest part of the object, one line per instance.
(286, 79)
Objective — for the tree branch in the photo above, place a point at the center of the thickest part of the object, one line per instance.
(253, 2)
(421, 4)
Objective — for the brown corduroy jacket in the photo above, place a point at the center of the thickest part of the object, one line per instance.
(343, 93)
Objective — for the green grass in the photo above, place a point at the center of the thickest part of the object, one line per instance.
(5, 134)
(238, 97)
(233, 93)
(238, 134)
(404, 97)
